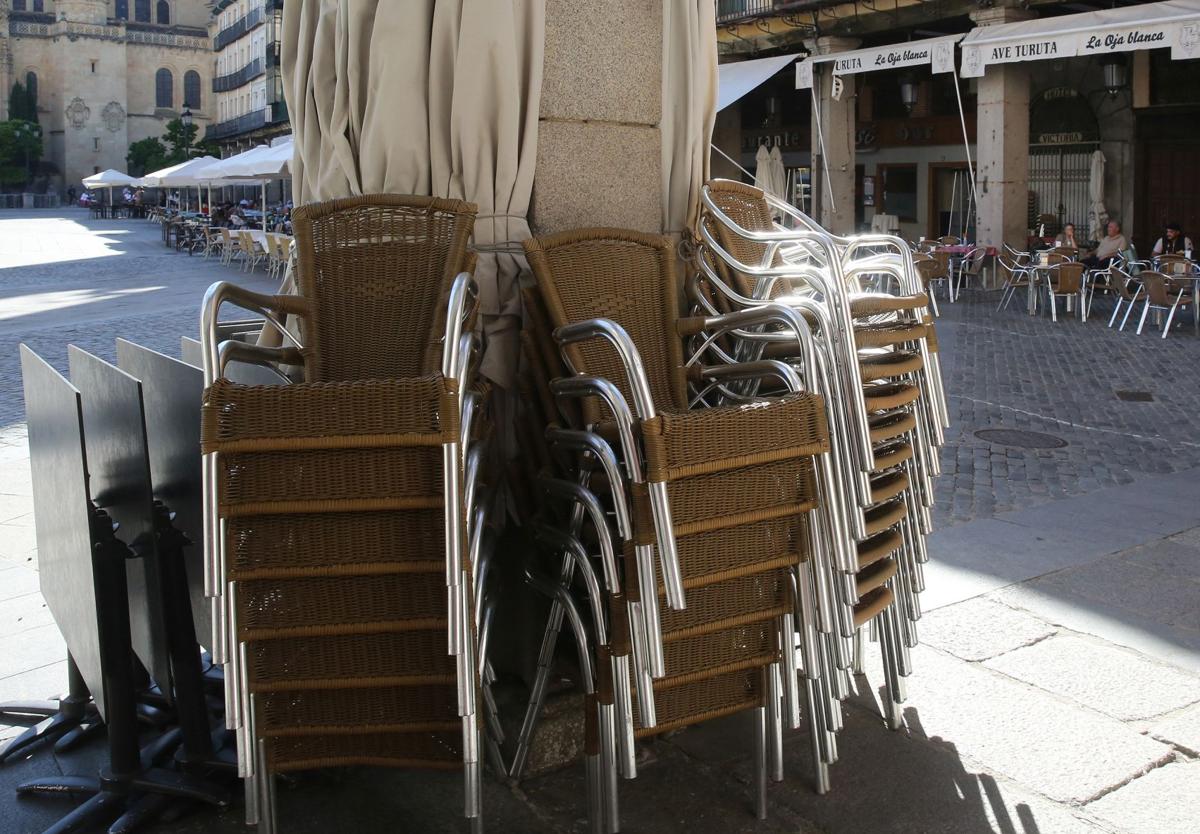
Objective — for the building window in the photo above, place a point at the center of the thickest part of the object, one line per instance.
(96, 143)
(93, 66)
(163, 92)
(141, 11)
(163, 12)
(900, 191)
(122, 9)
(19, 6)
(191, 89)
(39, 6)
(31, 87)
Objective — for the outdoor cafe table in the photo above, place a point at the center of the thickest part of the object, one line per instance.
(958, 250)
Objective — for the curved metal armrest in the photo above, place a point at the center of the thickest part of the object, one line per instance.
(571, 491)
(549, 588)
(268, 306)
(615, 335)
(461, 291)
(267, 357)
(749, 370)
(590, 386)
(565, 543)
(586, 441)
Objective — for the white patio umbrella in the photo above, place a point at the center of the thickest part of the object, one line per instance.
(181, 175)
(261, 164)
(108, 179)
(1097, 213)
(778, 173)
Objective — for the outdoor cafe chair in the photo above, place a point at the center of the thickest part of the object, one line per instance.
(1019, 275)
(1164, 294)
(885, 405)
(1065, 280)
(251, 250)
(230, 246)
(1174, 265)
(968, 266)
(721, 493)
(345, 513)
(214, 242)
(1125, 289)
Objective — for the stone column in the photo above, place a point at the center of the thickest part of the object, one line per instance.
(599, 160)
(836, 212)
(1002, 143)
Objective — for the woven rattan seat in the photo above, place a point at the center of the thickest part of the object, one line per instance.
(874, 576)
(879, 546)
(887, 396)
(888, 485)
(892, 454)
(332, 499)
(739, 478)
(888, 365)
(882, 516)
(891, 425)
(871, 605)
(877, 304)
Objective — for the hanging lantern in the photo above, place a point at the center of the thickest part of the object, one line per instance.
(908, 92)
(1115, 74)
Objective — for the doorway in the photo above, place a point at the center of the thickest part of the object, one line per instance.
(950, 209)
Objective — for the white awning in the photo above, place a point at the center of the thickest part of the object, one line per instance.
(937, 53)
(739, 78)
(1171, 23)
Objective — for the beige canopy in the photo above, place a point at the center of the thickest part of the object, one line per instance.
(432, 97)
(441, 97)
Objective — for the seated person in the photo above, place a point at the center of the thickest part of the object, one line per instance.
(1173, 241)
(1109, 248)
(1066, 238)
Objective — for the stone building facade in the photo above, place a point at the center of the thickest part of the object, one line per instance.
(107, 72)
(247, 87)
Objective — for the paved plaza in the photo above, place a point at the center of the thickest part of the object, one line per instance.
(1057, 688)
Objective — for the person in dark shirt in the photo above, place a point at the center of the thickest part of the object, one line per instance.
(1173, 241)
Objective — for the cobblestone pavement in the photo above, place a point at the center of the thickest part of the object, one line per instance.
(1011, 370)
(71, 280)
(1057, 687)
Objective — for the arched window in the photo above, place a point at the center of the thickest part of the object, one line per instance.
(122, 9)
(141, 11)
(163, 12)
(164, 85)
(191, 89)
(31, 87)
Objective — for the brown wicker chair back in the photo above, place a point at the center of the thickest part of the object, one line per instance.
(1067, 277)
(747, 207)
(376, 270)
(586, 273)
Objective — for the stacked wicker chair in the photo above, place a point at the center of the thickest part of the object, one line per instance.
(347, 511)
(715, 509)
(868, 309)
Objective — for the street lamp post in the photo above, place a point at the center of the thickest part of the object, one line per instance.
(185, 118)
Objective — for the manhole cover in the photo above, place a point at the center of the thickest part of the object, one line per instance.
(1135, 396)
(1020, 438)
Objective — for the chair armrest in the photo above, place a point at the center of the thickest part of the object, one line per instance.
(615, 335)
(764, 368)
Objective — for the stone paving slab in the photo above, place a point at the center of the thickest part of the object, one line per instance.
(17, 581)
(1181, 729)
(981, 628)
(1101, 676)
(1164, 801)
(22, 613)
(1062, 751)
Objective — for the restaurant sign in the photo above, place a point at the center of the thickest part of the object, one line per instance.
(978, 53)
(937, 53)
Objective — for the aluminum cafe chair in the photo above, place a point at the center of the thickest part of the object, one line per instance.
(873, 491)
(1065, 280)
(687, 451)
(1163, 295)
(339, 646)
(857, 258)
(866, 309)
